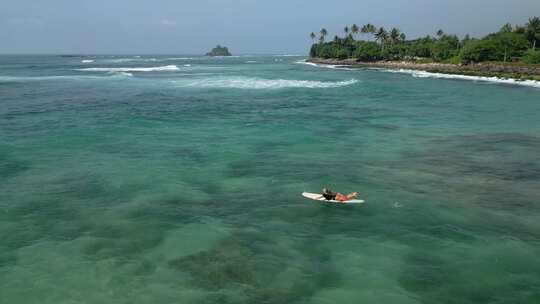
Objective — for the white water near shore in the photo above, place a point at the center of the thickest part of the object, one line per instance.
(426, 74)
(327, 66)
(260, 83)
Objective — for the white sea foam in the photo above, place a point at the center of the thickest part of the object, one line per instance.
(327, 66)
(61, 77)
(143, 59)
(87, 61)
(260, 83)
(137, 59)
(424, 74)
(308, 63)
(177, 58)
(123, 74)
(133, 69)
(251, 61)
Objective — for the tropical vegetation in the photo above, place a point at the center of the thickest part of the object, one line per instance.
(517, 43)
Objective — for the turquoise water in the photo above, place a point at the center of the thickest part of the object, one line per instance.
(170, 179)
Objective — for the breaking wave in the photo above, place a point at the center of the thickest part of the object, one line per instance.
(328, 66)
(87, 61)
(148, 69)
(121, 60)
(122, 74)
(424, 74)
(62, 77)
(178, 58)
(259, 83)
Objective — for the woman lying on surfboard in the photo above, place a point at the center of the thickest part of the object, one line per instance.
(331, 196)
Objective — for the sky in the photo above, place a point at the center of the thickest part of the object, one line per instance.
(245, 26)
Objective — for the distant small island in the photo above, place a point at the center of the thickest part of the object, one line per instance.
(509, 53)
(219, 51)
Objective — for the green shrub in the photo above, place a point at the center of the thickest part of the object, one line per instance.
(326, 51)
(342, 54)
(531, 57)
(368, 51)
(445, 48)
(314, 51)
(495, 47)
(508, 45)
(394, 51)
(420, 47)
(478, 51)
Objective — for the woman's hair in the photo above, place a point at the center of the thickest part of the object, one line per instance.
(328, 194)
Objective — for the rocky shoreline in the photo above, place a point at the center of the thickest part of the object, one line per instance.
(513, 71)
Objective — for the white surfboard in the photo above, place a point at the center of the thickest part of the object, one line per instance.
(320, 198)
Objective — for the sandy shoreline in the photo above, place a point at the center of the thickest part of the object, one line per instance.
(518, 72)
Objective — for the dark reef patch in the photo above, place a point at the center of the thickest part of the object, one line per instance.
(248, 263)
(491, 156)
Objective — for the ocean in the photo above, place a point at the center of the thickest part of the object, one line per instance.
(178, 179)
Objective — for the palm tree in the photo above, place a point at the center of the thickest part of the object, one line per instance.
(368, 29)
(394, 35)
(381, 35)
(465, 39)
(346, 30)
(354, 29)
(518, 29)
(507, 28)
(533, 31)
(440, 33)
(323, 32)
(402, 37)
(312, 36)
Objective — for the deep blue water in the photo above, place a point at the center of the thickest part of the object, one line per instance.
(177, 179)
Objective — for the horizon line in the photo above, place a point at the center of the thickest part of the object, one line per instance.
(148, 54)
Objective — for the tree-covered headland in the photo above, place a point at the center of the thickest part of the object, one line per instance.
(520, 43)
